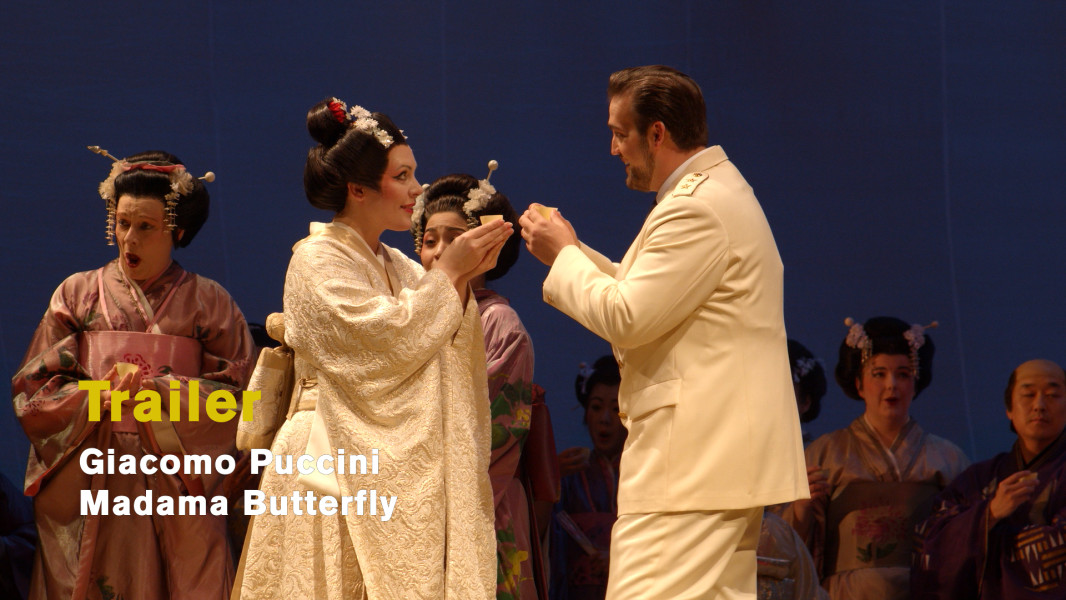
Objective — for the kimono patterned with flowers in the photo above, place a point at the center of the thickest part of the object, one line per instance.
(509, 355)
(133, 556)
(862, 534)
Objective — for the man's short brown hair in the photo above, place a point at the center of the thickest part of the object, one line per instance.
(661, 93)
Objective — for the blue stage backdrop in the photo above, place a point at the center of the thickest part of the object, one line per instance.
(910, 156)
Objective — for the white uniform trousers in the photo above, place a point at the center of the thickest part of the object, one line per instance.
(698, 555)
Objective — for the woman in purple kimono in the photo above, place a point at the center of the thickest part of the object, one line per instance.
(449, 207)
(182, 332)
(874, 480)
(588, 505)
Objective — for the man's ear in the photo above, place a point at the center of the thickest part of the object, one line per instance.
(657, 133)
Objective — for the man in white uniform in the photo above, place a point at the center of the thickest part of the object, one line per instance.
(694, 314)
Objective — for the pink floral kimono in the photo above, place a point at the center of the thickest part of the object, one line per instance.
(181, 327)
(509, 352)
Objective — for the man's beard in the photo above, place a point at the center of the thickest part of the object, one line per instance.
(639, 178)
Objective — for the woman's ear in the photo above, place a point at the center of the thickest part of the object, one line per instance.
(356, 191)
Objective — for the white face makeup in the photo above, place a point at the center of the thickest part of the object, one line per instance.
(144, 244)
(395, 201)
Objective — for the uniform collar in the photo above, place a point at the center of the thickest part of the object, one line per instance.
(705, 158)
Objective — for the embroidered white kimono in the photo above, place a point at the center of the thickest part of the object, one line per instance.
(400, 369)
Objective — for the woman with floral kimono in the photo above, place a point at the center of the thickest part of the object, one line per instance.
(182, 331)
(390, 362)
(451, 206)
(874, 480)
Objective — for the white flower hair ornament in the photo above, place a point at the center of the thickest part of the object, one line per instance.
(181, 183)
(585, 372)
(363, 121)
(480, 196)
(803, 367)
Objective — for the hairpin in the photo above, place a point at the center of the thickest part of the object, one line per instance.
(181, 183)
(480, 196)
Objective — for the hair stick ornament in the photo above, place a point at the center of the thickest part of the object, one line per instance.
(915, 337)
(480, 196)
(181, 183)
(858, 339)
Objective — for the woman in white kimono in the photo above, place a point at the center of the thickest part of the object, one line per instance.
(872, 481)
(390, 362)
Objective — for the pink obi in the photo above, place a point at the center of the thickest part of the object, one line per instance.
(155, 353)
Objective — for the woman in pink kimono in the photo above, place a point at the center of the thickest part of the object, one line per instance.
(449, 207)
(873, 481)
(182, 331)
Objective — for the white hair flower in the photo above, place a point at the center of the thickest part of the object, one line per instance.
(363, 121)
(478, 197)
(803, 367)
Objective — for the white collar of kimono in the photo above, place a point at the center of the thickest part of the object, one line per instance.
(317, 227)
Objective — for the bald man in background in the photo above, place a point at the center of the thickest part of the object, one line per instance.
(999, 530)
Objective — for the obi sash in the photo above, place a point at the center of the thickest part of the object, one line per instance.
(156, 354)
(871, 524)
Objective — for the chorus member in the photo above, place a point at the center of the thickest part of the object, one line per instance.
(141, 308)
(390, 359)
(808, 382)
(786, 569)
(451, 206)
(999, 530)
(694, 313)
(587, 507)
(873, 481)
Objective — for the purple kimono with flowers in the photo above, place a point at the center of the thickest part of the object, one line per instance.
(1023, 556)
(861, 538)
(131, 556)
(509, 353)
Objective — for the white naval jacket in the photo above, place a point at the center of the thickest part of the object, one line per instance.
(694, 313)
